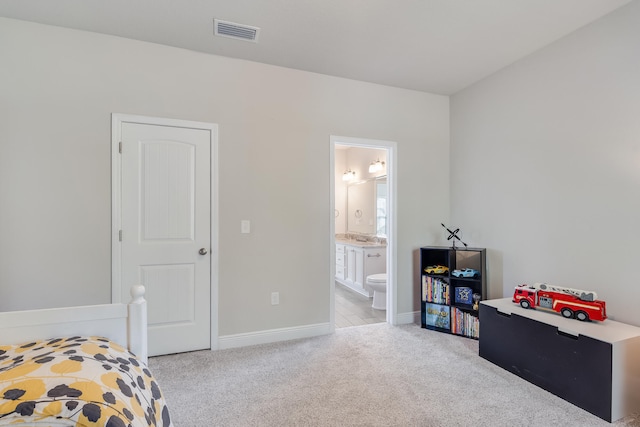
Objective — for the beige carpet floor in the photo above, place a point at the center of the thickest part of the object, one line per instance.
(374, 375)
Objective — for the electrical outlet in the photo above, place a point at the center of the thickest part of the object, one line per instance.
(275, 298)
(245, 226)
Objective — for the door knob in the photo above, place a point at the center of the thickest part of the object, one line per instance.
(202, 251)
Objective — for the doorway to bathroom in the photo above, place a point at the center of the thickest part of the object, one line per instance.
(362, 288)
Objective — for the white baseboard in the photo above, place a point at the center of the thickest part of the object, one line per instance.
(273, 335)
(285, 334)
(406, 318)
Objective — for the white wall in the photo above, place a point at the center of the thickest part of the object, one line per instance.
(545, 165)
(340, 195)
(59, 88)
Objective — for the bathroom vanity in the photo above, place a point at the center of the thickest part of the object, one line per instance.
(362, 250)
(356, 260)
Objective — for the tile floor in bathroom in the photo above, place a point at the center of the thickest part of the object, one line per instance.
(353, 309)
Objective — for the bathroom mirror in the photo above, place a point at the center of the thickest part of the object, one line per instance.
(367, 207)
(381, 207)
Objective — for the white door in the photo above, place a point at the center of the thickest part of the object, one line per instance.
(166, 231)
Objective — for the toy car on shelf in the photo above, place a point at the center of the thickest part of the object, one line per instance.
(436, 269)
(466, 272)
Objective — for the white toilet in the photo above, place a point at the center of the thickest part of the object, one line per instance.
(378, 283)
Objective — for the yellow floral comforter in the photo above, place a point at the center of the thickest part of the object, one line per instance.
(78, 381)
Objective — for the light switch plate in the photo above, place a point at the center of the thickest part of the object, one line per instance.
(245, 226)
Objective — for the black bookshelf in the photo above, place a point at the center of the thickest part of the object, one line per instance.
(450, 304)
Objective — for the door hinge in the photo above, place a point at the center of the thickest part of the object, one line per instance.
(120, 147)
(120, 235)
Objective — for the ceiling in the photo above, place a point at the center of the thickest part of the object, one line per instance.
(436, 46)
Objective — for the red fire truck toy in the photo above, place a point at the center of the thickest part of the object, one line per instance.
(571, 303)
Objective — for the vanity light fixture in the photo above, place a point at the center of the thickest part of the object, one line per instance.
(348, 175)
(376, 166)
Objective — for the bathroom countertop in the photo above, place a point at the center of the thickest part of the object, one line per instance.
(354, 242)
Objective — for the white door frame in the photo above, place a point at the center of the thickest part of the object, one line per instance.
(116, 205)
(392, 288)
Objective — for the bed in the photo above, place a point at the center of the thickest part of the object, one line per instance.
(79, 366)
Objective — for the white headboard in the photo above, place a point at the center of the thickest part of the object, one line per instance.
(125, 324)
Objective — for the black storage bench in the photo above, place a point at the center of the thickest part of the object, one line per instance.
(594, 365)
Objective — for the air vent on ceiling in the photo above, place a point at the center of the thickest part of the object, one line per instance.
(235, 31)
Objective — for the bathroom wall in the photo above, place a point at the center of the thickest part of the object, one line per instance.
(358, 160)
(340, 159)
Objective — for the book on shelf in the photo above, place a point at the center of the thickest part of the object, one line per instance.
(435, 289)
(463, 323)
(437, 315)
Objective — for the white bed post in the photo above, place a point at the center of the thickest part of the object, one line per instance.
(137, 326)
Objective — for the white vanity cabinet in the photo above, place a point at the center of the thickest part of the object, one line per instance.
(354, 262)
(341, 262)
(355, 267)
